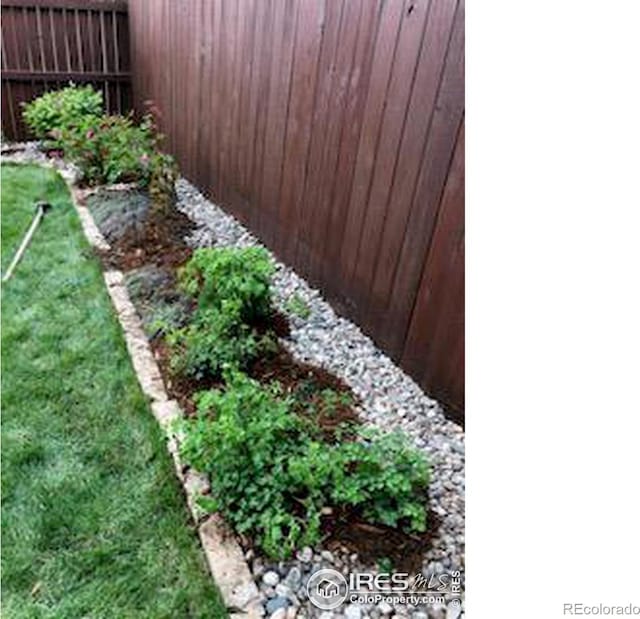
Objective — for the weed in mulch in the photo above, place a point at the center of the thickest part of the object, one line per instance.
(181, 387)
(153, 292)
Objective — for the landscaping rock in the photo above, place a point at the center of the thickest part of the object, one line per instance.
(284, 591)
(277, 603)
(305, 555)
(270, 578)
(293, 578)
(353, 611)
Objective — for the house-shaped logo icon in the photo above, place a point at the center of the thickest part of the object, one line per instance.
(327, 589)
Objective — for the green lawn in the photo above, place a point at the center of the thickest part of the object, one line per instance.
(93, 520)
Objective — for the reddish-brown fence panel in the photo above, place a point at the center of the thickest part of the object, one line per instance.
(333, 129)
(48, 43)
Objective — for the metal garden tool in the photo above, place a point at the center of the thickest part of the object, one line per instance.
(41, 209)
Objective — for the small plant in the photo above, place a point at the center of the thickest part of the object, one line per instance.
(272, 474)
(385, 477)
(56, 111)
(232, 292)
(223, 276)
(297, 306)
(163, 174)
(385, 565)
(324, 404)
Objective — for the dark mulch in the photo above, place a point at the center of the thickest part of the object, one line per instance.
(374, 542)
(138, 234)
(306, 383)
(161, 242)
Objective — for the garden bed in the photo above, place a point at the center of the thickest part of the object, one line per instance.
(319, 397)
(316, 350)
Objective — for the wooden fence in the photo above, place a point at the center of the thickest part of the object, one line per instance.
(48, 43)
(335, 130)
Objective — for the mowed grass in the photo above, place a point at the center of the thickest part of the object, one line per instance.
(93, 521)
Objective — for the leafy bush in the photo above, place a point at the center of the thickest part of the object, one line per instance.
(271, 473)
(55, 111)
(232, 290)
(379, 473)
(215, 340)
(109, 149)
(217, 276)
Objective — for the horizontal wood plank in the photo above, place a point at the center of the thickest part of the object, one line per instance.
(121, 6)
(64, 76)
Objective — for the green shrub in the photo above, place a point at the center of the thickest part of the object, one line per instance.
(232, 292)
(379, 473)
(215, 340)
(216, 276)
(109, 149)
(55, 111)
(271, 474)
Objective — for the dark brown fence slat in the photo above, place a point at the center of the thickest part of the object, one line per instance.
(325, 129)
(384, 53)
(67, 46)
(393, 123)
(47, 44)
(54, 42)
(419, 116)
(331, 225)
(438, 315)
(300, 115)
(436, 159)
